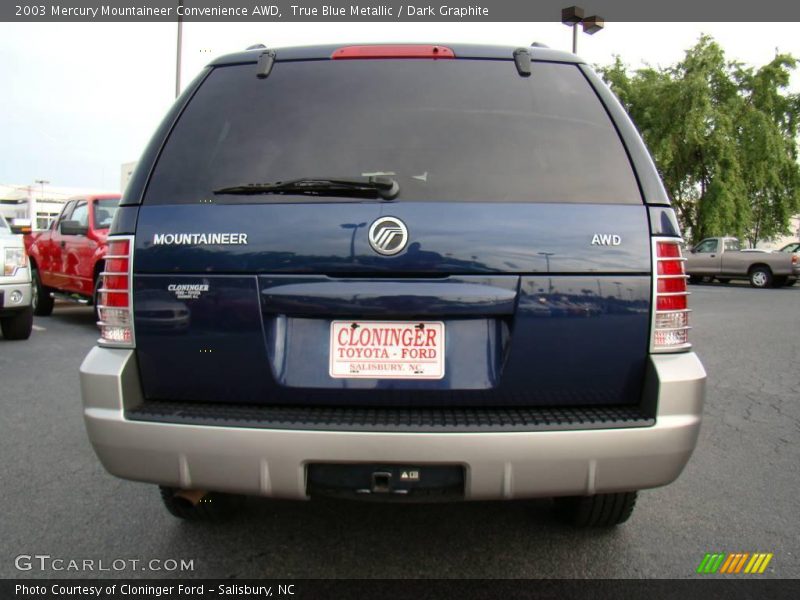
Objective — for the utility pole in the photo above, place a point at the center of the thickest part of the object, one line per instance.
(178, 52)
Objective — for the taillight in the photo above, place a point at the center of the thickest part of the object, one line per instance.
(670, 297)
(114, 304)
(393, 51)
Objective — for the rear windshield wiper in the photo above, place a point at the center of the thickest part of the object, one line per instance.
(361, 187)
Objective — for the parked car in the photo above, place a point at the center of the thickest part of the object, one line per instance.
(793, 248)
(16, 314)
(455, 277)
(67, 258)
(723, 259)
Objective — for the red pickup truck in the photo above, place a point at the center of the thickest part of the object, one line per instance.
(67, 258)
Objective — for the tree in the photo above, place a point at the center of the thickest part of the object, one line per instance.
(723, 137)
(769, 128)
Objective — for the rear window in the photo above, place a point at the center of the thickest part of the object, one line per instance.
(732, 245)
(104, 212)
(447, 130)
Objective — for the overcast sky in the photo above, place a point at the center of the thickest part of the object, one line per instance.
(78, 100)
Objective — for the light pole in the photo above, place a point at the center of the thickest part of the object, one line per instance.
(178, 52)
(34, 209)
(547, 256)
(355, 227)
(572, 16)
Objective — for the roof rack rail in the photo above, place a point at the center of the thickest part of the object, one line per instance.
(255, 47)
(539, 45)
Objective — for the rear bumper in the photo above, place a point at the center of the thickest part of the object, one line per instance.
(272, 462)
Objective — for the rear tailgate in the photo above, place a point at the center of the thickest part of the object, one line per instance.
(251, 322)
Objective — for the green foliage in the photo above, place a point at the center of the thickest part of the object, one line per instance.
(724, 138)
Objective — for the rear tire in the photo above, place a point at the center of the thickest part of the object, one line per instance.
(96, 297)
(760, 277)
(695, 279)
(600, 510)
(214, 506)
(42, 302)
(18, 326)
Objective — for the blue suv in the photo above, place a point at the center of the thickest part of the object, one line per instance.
(407, 272)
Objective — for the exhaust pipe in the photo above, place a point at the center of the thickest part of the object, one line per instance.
(194, 497)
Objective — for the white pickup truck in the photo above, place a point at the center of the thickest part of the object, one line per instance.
(16, 312)
(723, 259)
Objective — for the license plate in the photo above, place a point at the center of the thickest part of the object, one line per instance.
(387, 350)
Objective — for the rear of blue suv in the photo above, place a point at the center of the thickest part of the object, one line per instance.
(395, 272)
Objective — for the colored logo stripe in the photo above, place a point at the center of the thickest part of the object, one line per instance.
(710, 563)
(732, 563)
(758, 564)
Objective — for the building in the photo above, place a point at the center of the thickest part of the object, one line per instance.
(126, 171)
(794, 236)
(35, 204)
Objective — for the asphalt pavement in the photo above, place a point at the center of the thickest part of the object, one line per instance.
(739, 493)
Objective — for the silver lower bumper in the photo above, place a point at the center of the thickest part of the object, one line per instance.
(24, 288)
(272, 462)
